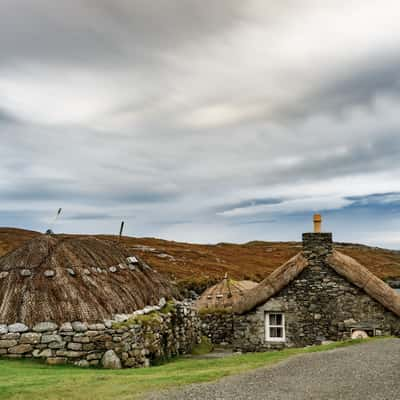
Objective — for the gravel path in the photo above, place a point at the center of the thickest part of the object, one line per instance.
(369, 371)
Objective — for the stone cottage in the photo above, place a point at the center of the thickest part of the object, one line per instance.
(317, 296)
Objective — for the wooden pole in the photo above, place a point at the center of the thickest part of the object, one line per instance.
(121, 229)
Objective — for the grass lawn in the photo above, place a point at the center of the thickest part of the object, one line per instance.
(25, 379)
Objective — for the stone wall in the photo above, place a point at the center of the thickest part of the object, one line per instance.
(137, 342)
(218, 327)
(319, 305)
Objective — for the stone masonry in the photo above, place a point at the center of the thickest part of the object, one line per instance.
(218, 327)
(136, 342)
(318, 305)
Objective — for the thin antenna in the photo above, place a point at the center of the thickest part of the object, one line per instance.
(121, 229)
(50, 231)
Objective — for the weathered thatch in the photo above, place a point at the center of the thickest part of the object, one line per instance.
(224, 294)
(74, 279)
(364, 279)
(271, 285)
(342, 264)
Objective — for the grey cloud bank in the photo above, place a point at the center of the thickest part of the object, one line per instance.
(201, 121)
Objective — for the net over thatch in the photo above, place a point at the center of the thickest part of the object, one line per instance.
(74, 279)
(224, 294)
(342, 264)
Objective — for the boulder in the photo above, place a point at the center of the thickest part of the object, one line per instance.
(110, 360)
(17, 328)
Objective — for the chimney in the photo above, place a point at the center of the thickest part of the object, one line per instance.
(318, 244)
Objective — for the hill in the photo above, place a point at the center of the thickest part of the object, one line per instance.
(195, 266)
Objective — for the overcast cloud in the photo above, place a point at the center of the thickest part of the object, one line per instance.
(201, 121)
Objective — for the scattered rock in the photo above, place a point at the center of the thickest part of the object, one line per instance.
(71, 271)
(49, 273)
(25, 272)
(113, 269)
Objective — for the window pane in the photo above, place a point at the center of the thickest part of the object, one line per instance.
(272, 319)
(278, 318)
(273, 332)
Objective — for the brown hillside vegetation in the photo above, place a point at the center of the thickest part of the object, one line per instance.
(198, 266)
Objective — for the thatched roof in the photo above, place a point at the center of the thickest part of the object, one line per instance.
(53, 278)
(224, 294)
(342, 264)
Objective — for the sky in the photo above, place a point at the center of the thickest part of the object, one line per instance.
(201, 121)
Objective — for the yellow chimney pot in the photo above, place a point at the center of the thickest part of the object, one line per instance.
(317, 223)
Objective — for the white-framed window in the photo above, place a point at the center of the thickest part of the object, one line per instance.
(275, 327)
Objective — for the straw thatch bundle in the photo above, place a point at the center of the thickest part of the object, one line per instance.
(364, 279)
(342, 264)
(62, 279)
(271, 285)
(224, 294)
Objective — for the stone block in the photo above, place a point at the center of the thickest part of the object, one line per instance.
(78, 326)
(3, 329)
(56, 360)
(5, 344)
(30, 338)
(51, 338)
(45, 327)
(20, 349)
(66, 327)
(17, 328)
(81, 338)
(74, 346)
(110, 360)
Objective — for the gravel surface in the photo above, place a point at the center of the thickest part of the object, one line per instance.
(369, 371)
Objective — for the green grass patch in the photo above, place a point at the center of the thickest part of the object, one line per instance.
(24, 379)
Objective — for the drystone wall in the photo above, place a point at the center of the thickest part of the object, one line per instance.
(128, 341)
(319, 305)
(218, 327)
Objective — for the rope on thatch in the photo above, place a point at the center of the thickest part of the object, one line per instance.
(366, 280)
(275, 282)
